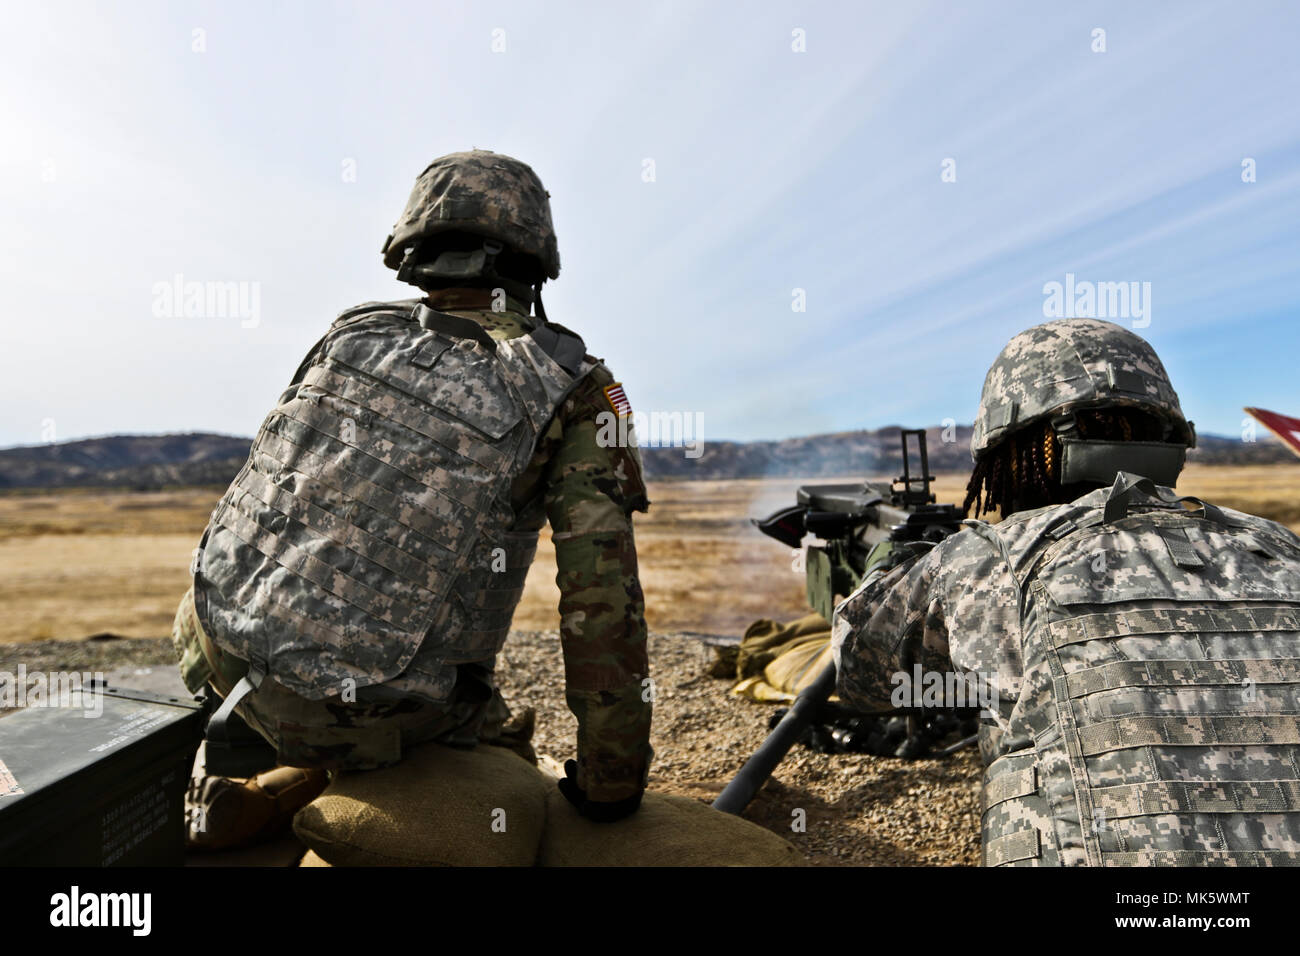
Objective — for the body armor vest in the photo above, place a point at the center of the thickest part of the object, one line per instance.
(1159, 721)
(372, 518)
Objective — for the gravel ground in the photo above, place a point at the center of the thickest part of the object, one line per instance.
(88, 655)
(859, 809)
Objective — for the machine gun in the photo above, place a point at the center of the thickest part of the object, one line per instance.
(854, 520)
(858, 526)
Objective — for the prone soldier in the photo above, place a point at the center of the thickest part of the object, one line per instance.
(1143, 650)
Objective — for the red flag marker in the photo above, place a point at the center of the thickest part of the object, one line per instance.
(1283, 426)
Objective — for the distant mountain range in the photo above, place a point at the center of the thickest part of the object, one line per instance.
(876, 454)
(199, 458)
(125, 461)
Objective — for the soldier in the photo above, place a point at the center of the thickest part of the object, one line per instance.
(1142, 650)
(358, 579)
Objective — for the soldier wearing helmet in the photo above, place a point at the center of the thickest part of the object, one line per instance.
(1065, 407)
(358, 579)
(1136, 652)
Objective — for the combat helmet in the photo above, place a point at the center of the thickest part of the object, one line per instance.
(480, 193)
(1051, 371)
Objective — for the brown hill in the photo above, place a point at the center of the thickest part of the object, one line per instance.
(158, 461)
(125, 461)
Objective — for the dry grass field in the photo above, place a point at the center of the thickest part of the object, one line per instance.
(79, 563)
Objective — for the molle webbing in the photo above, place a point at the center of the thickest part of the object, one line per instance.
(1178, 730)
(409, 566)
(1169, 679)
(1181, 620)
(429, 531)
(1202, 858)
(1120, 674)
(379, 403)
(1201, 796)
(286, 552)
(1014, 846)
(410, 464)
(371, 514)
(1009, 786)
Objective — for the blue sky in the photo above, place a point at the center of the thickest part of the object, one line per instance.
(131, 156)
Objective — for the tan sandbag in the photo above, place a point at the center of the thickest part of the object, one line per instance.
(438, 807)
(312, 858)
(666, 831)
(799, 661)
(766, 640)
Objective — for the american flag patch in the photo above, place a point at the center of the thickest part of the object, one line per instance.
(618, 400)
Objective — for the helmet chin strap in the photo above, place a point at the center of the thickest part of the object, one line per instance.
(537, 303)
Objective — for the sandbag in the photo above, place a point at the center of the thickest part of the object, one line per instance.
(765, 640)
(439, 807)
(666, 831)
(777, 662)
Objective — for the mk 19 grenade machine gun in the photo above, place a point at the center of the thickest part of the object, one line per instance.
(858, 526)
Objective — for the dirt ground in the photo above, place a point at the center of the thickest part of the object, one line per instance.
(80, 563)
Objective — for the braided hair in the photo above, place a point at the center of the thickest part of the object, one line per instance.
(1022, 472)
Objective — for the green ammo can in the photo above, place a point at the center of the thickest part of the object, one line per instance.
(97, 789)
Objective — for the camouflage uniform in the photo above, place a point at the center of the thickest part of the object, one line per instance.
(930, 610)
(588, 493)
(432, 687)
(1144, 661)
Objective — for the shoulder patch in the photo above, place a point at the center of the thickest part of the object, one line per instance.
(617, 399)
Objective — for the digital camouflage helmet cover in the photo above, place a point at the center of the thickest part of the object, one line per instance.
(1050, 371)
(479, 193)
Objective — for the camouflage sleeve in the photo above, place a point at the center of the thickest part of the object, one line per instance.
(955, 608)
(593, 486)
(894, 619)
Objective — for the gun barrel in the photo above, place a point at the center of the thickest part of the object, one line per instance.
(852, 519)
(741, 790)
